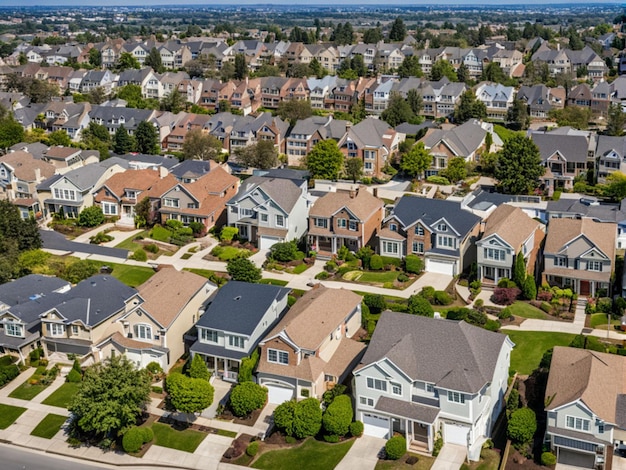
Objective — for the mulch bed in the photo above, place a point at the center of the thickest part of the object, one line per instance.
(237, 448)
(228, 415)
(517, 461)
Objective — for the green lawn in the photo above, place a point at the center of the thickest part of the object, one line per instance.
(274, 282)
(530, 346)
(62, 396)
(489, 460)
(130, 275)
(49, 426)
(187, 440)
(599, 320)
(312, 455)
(371, 277)
(300, 268)
(226, 253)
(524, 310)
(130, 244)
(8, 415)
(424, 462)
(26, 391)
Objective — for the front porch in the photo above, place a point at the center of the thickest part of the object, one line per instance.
(330, 245)
(582, 287)
(490, 275)
(223, 368)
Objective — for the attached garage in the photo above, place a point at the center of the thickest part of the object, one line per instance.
(455, 434)
(278, 393)
(440, 266)
(575, 459)
(265, 242)
(376, 426)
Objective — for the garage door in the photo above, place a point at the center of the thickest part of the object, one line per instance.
(441, 267)
(278, 394)
(455, 434)
(265, 243)
(576, 459)
(376, 426)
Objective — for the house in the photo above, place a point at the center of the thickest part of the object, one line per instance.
(497, 98)
(508, 233)
(64, 159)
(438, 230)
(344, 218)
(21, 302)
(97, 79)
(585, 399)
(234, 321)
(269, 210)
(424, 377)
(308, 132)
(611, 154)
(541, 99)
(154, 331)
(579, 255)
(311, 349)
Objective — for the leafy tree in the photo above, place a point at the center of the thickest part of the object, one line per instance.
(97, 95)
(59, 137)
(416, 161)
(517, 115)
(198, 368)
(262, 154)
(616, 186)
(574, 116)
(354, 169)
(410, 67)
(267, 70)
(91, 217)
(247, 397)
(442, 68)
(241, 68)
(146, 138)
(397, 32)
(519, 270)
(398, 110)
(133, 96)
(189, 395)
(469, 108)
(78, 271)
(338, 416)
(154, 60)
(294, 110)
(418, 305)
(95, 57)
(127, 61)
(11, 131)
(242, 269)
(23, 232)
(519, 165)
(522, 425)
(325, 161)
(616, 121)
(201, 146)
(307, 420)
(143, 213)
(123, 142)
(456, 170)
(227, 72)
(462, 73)
(493, 73)
(414, 98)
(372, 36)
(299, 70)
(111, 397)
(174, 102)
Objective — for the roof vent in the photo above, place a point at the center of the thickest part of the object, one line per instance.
(237, 298)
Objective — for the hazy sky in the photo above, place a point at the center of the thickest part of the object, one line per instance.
(290, 2)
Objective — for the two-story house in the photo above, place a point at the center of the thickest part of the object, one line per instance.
(611, 153)
(497, 99)
(412, 381)
(579, 255)
(269, 210)
(154, 331)
(234, 321)
(585, 399)
(344, 218)
(508, 233)
(439, 230)
(310, 350)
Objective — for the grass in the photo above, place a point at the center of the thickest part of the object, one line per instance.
(600, 321)
(300, 268)
(63, 395)
(489, 460)
(274, 282)
(6, 360)
(371, 277)
(226, 433)
(530, 346)
(130, 244)
(424, 462)
(49, 426)
(186, 256)
(226, 253)
(28, 391)
(8, 415)
(388, 298)
(316, 454)
(524, 310)
(187, 440)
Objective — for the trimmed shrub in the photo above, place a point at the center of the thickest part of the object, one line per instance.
(247, 366)
(492, 325)
(505, 295)
(154, 368)
(546, 307)
(529, 288)
(152, 248)
(140, 255)
(512, 403)
(133, 439)
(91, 217)
(330, 395)
(338, 416)
(228, 233)
(160, 234)
(291, 300)
(507, 283)
(332, 438)
(198, 368)
(284, 417)
(74, 376)
(376, 262)
(548, 459)
(413, 264)
(505, 314)
(442, 298)
(356, 428)
(247, 397)
(284, 252)
(437, 446)
(434, 179)
(252, 449)
(395, 447)
(522, 425)
(478, 303)
(307, 418)
(419, 306)
(428, 293)
(402, 277)
(459, 313)
(375, 302)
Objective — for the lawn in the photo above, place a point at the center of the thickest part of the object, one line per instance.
(49, 426)
(226, 253)
(311, 455)
(530, 346)
(600, 321)
(524, 310)
(489, 460)
(62, 396)
(26, 391)
(424, 462)
(130, 244)
(8, 415)
(274, 282)
(187, 440)
(371, 277)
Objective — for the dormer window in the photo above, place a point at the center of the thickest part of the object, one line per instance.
(442, 227)
(393, 227)
(13, 329)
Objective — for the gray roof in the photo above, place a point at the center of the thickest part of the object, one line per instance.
(157, 160)
(449, 354)
(284, 192)
(86, 176)
(36, 149)
(572, 147)
(607, 144)
(284, 173)
(588, 207)
(415, 411)
(413, 129)
(190, 169)
(238, 307)
(28, 288)
(620, 410)
(463, 140)
(29, 312)
(369, 132)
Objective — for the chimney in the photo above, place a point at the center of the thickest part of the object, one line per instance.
(162, 172)
(375, 192)
(352, 193)
(37, 175)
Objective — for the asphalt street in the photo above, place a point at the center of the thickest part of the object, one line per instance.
(55, 241)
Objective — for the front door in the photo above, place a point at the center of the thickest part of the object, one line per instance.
(420, 432)
(584, 288)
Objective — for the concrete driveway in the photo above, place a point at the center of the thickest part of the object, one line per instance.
(363, 455)
(436, 280)
(451, 457)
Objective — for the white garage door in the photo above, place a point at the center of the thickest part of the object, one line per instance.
(441, 267)
(265, 243)
(277, 394)
(376, 426)
(455, 434)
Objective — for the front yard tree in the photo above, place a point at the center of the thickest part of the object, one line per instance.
(91, 216)
(469, 108)
(616, 186)
(416, 161)
(456, 170)
(242, 269)
(354, 169)
(519, 270)
(398, 110)
(263, 155)
(147, 138)
(198, 368)
(111, 397)
(200, 146)
(189, 395)
(307, 420)
(519, 165)
(325, 161)
(123, 142)
(616, 121)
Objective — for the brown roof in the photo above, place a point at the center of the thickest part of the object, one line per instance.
(511, 224)
(140, 180)
(61, 152)
(390, 234)
(563, 231)
(25, 165)
(162, 186)
(594, 378)
(214, 182)
(167, 292)
(125, 342)
(363, 205)
(602, 276)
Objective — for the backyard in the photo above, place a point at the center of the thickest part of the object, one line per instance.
(310, 455)
(62, 396)
(530, 347)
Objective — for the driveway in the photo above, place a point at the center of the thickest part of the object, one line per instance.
(55, 241)
(451, 457)
(363, 455)
(436, 280)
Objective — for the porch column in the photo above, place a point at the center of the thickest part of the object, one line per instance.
(333, 245)
(409, 432)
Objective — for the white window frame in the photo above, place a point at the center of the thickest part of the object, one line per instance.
(280, 220)
(320, 222)
(56, 329)
(352, 225)
(376, 384)
(442, 227)
(276, 356)
(456, 397)
(243, 212)
(594, 266)
(171, 202)
(391, 247)
(208, 335)
(418, 247)
(419, 230)
(494, 254)
(13, 329)
(143, 331)
(444, 241)
(109, 208)
(396, 388)
(366, 401)
(238, 342)
(577, 423)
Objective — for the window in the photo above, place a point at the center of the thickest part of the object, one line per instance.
(352, 225)
(430, 388)
(74, 329)
(278, 357)
(390, 247)
(393, 227)
(560, 261)
(594, 266)
(366, 401)
(109, 209)
(376, 384)
(143, 331)
(263, 217)
(245, 212)
(209, 336)
(321, 223)
(600, 426)
(419, 230)
(236, 341)
(446, 241)
(169, 202)
(456, 397)
(13, 329)
(494, 254)
(396, 389)
(577, 423)
(418, 247)
(56, 329)
(280, 220)
(342, 223)
(442, 227)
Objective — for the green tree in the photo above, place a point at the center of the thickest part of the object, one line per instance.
(262, 154)
(174, 102)
(198, 368)
(456, 169)
(23, 232)
(127, 61)
(241, 68)
(133, 96)
(143, 213)
(307, 420)
(462, 73)
(338, 416)
(529, 289)
(97, 95)
(518, 167)
(284, 416)
(522, 426)
(91, 217)
(59, 137)
(154, 60)
(469, 108)
(294, 110)
(146, 138)
(242, 269)
(519, 270)
(372, 36)
(189, 395)
(354, 169)
(247, 397)
(416, 161)
(574, 116)
(418, 305)
(325, 161)
(111, 397)
(493, 73)
(517, 115)
(95, 57)
(616, 121)
(397, 33)
(442, 68)
(615, 186)
(11, 131)
(414, 98)
(78, 271)
(123, 142)
(398, 110)
(410, 67)
(199, 145)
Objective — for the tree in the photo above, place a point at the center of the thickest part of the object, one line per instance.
(284, 417)
(462, 73)
(414, 98)
(198, 368)
(616, 121)
(517, 115)
(111, 397)
(338, 416)
(146, 138)
(307, 420)
(95, 57)
(262, 154)
(397, 32)
(574, 116)
(372, 36)
(97, 95)
(354, 169)
(133, 96)
(241, 68)
(173, 102)
(154, 60)
(493, 73)
(519, 165)
(398, 110)
(529, 289)
(23, 232)
(96, 137)
(91, 217)
(325, 161)
(284, 252)
(11, 131)
(189, 395)
(127, 61)
(123, 142)
(519, 270)
(59, 137)
(469, 108)
(616, 186)
(79, 271)
(242, 269)
(418, 305)
(456, 170)
(199, 145)
(442, 68)
(522, 425)
(410, 67)
(416, 161)
(294, 110)
(143, 213)
(247, 397)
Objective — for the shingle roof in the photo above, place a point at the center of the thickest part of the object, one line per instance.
(192, 168)
(87, 176)
(362, 205)
(572, 147)
(511, 224)
(563, 230)
(284, 192)
(25, 166)
(463, 140)
(452, 355)
(28, 288)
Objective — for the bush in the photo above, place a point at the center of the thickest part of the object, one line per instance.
(529, 288)
(402, 277)
(8, 373)
(228, 233)
(148, 434)
(91, 217)
(413, 264)
(375, 302)
(307, 418)
(478, 303)
(154, 368)
(99, 238)
(505, 314)
(418, 305)
(434, 179)
(197, 228)
(492, 325)
(356, 428)
(548, 459)
(332, 438)
(376, 262)
(365, 254)
(330, 395)
(247, 397)
(252, 449)
(437, 446)
(140, 255)
(133, 439)
(160, 234)
(284, 252)
(459, 313)
(338, 416)
(428, 293)
(442, 298)
(35, 354)
(198, 368)
(242, 269)
(74, 376)
(152, 248)
(507, 283)
(395, 447)
(512, 403)
(284, 417)
(546, 307)
(505, 295)
(522, 425)
(247, 366)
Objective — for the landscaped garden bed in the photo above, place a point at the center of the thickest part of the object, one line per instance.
(408, 461)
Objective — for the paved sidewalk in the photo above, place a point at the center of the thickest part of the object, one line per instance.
(363, 455)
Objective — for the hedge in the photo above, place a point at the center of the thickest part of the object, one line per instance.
(395, 447)
(338, 416)
(247, 397)
(247, 366)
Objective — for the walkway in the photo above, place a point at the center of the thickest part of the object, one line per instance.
(363, 455)
(450, 457)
